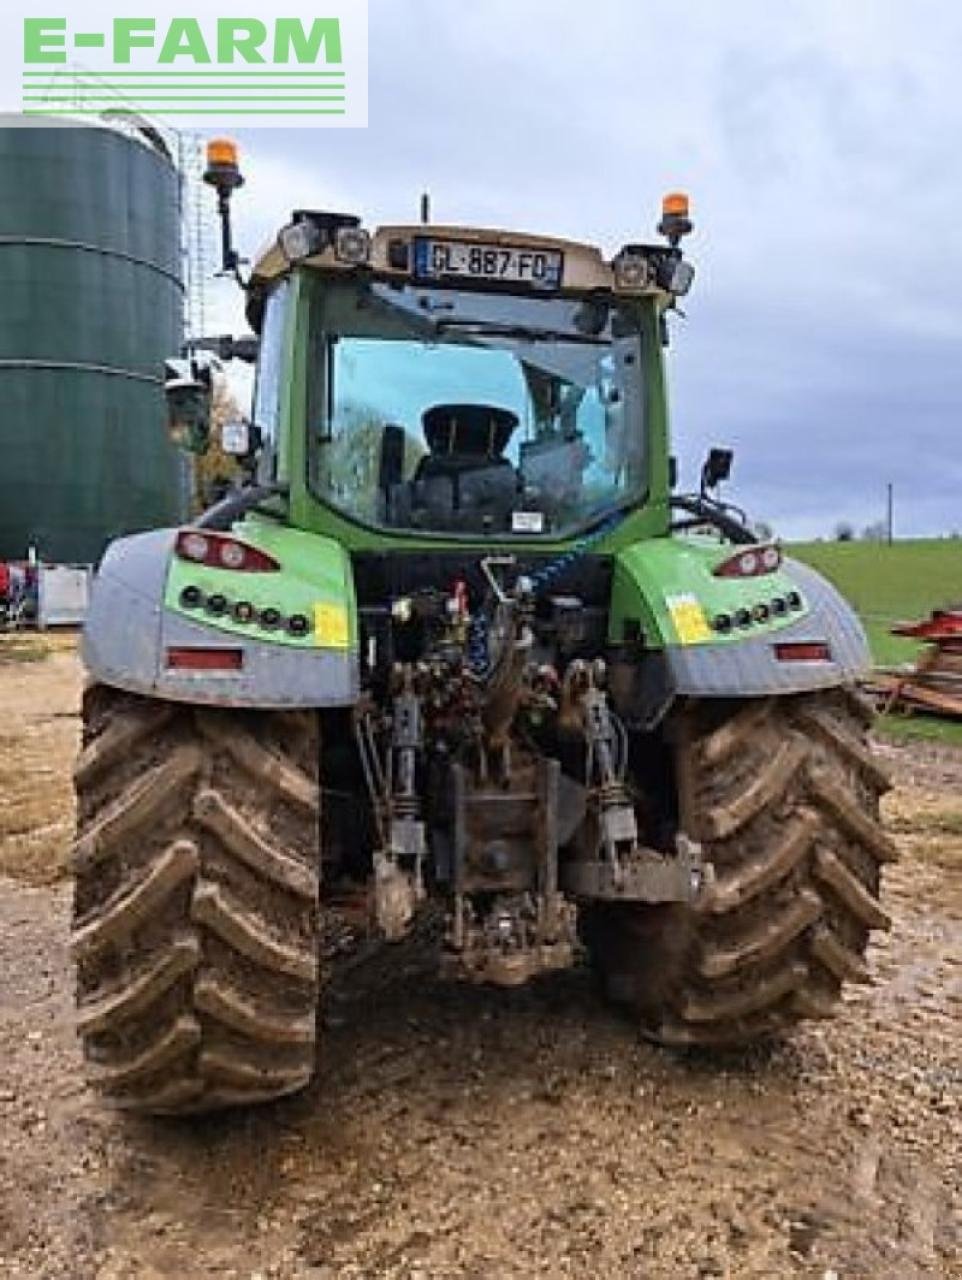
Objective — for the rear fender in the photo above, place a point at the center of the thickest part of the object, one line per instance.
(664, 606)
(135, 619)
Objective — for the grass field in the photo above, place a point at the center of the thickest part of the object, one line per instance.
(888, 584)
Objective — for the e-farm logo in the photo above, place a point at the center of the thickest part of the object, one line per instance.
(297, 69)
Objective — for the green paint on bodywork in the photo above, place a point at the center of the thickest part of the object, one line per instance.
(314, 571)
(650, 575)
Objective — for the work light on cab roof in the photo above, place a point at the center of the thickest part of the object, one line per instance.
(640, 266)
(310, 233)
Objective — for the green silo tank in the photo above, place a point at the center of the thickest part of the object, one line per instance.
(91, 303)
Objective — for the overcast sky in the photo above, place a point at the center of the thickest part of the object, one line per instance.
(819, 140)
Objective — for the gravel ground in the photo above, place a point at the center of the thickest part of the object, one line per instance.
(457, 1132)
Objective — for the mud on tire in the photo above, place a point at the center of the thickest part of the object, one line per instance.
(195, 921)
(783, 795)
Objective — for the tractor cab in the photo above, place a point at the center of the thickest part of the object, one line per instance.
(481, 384)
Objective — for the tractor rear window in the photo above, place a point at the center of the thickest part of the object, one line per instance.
(455, 412)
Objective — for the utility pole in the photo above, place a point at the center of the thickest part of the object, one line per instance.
(889, 508)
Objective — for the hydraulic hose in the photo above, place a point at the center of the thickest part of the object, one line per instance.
(542, 578)
(707, 512)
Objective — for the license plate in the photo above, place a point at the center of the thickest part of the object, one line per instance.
(540, 268)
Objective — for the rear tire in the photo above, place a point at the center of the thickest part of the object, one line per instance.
(195, 921)
(783, 796)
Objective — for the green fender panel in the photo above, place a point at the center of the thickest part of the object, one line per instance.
(314, 582)
(663, 620)
(667, 585)
(144, 634)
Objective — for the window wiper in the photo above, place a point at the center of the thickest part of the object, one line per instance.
(518, 332)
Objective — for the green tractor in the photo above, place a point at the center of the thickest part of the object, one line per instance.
(455, 639)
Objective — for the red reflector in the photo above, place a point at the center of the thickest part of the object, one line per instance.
(803, 651)
(205, 659)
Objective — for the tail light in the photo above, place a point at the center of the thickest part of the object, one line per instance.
(750, 563)
(803, 651)
(221, 551)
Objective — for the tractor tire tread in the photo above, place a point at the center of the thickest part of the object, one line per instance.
(196, 920)
(784, 796)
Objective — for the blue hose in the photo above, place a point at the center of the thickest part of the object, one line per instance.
(478, 654)
(478, 646)
(551, 571)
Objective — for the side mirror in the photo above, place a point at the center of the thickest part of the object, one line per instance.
(188, 390)
(225, 347)
(717, 467)
(240, 439)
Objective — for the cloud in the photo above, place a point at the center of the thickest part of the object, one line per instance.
(818, 141)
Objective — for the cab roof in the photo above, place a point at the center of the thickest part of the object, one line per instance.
(584, 268)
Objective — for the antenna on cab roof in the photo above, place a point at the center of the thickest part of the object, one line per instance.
(425, 208)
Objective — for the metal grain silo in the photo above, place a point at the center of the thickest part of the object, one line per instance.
(90, 305)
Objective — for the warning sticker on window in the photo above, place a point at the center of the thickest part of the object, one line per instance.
(688, 617)
(527, 521)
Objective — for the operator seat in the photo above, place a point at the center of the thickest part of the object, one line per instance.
(466, 459)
